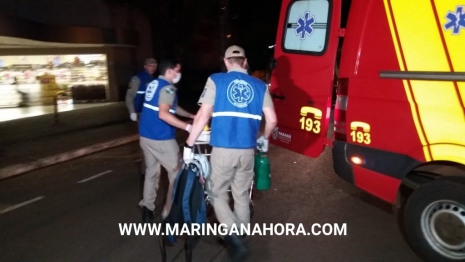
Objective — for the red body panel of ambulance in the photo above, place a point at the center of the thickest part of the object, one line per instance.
(398, 71)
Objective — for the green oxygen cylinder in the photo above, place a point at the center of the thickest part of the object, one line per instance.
(262, 172)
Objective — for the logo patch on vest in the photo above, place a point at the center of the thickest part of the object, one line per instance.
(240, 93)
(151, 89)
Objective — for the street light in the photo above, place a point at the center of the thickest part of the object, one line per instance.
(228, 36)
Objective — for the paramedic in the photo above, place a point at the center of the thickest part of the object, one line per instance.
(137, 86)
(136, 91)
(157, 135)
(237, 101)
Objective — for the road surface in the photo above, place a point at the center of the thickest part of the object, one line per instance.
(71, 211)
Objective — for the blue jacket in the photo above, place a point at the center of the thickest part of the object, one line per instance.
(237, 111)
(151, 126)
(145, 78)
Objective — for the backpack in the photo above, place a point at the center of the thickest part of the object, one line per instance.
(188, 206)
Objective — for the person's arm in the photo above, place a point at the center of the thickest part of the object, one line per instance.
(169, 118)
(200, 121)
(165, 101)
(206, 102)
(131, 93)
(270, 115)
(182, 112)
(271, 121)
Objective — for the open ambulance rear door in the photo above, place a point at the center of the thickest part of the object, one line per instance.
(302, 78)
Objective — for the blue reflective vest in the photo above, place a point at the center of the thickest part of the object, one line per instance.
(237, 111)
(151, 126)
(145, 78)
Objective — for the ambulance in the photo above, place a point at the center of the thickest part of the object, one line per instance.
(396, 69)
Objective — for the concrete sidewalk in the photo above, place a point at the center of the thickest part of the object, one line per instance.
(36, 142)
(31, 128)
(27, 155)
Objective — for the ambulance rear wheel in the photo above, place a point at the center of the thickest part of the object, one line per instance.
(435, 220)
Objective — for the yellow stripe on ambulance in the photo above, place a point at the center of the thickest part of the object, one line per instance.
(425, 45)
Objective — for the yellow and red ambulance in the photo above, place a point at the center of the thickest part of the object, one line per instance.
(398, 67)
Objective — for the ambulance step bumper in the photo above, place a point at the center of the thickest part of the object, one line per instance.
(383, 162)
(341, 164)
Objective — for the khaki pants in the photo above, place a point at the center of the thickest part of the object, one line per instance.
(156, 153)
(143, 167)
(231, 168)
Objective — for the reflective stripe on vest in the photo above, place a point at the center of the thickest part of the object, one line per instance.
(237, 114)
(156, 108)
(141, 92)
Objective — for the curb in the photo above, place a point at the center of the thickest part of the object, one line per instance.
(18, 169)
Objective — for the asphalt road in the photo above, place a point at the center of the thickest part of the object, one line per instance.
(73, 209)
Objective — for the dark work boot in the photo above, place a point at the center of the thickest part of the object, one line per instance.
(147, 215)
(237, 249)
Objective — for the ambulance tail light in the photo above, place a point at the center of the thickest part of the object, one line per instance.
(340, 109)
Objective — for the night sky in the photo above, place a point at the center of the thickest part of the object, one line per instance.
(193, 32)
(256, 23)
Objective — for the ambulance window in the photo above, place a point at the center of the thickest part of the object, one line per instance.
(306, 27)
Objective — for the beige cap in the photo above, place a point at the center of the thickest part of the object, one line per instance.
(234, 51)
(149, 61)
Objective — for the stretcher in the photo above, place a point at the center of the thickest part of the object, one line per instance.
(202, 150)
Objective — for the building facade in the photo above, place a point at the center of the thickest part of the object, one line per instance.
(74, 51)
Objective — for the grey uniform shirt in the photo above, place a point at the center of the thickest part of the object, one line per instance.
(167, 94)
(131, 93)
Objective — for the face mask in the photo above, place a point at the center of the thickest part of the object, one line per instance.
(177, 78)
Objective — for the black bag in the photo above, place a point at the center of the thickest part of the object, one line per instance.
(188, 207)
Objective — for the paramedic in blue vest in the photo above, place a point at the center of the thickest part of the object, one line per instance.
(157, 131)
(136, 92)
(236, 102)
(137, 86)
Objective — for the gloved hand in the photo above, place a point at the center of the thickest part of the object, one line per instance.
(133, 117)
(262, 144)
(188, 155)
(189, 128)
